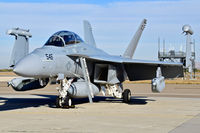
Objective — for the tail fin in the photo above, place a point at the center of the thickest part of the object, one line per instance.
(88, 36)
(133, 44)
(21, 46)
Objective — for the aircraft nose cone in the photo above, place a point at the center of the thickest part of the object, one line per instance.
(29, 66)
(18, 69)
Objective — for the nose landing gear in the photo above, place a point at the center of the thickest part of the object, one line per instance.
(64, 100)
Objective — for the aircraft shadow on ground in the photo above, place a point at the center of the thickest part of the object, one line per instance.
(49, 100)
(139, 100)
(21, 103)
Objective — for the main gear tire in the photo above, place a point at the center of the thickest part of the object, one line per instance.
(126, 96)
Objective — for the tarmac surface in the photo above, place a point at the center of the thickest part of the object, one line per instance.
(175, 110)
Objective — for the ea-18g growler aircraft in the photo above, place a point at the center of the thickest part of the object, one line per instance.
(82, 69)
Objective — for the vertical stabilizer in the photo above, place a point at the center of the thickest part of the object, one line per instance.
(133, 44)
(88, 36)
(21, 45)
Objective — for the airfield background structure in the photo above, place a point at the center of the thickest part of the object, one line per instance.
(186, 57)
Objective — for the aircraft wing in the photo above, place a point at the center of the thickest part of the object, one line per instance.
(143, 70)
(139, 69)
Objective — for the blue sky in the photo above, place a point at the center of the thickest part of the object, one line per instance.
(101, 2)
(114, 22)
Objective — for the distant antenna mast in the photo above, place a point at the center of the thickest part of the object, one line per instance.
(189, 58)
(158, 47)
(158, 44)
(193, 57)
(163, 45)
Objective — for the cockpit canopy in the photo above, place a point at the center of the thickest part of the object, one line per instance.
(63, 38)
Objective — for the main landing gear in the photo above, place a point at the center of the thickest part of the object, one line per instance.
(117, 92)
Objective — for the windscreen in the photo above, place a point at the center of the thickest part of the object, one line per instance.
(55, 41)
(63, 38)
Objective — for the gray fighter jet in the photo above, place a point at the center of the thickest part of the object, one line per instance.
(82, 69)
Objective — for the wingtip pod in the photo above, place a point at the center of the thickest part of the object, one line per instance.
(134, 42)
(88, 36)
(20, 32)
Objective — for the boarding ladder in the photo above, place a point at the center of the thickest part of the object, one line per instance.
(87, 78)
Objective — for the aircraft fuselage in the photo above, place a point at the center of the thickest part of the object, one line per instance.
(49, 61)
